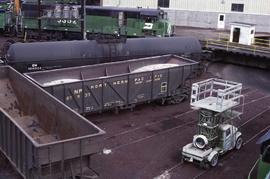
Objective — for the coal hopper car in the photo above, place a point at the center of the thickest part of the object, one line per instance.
(51, 55)
(39, 135)
(119, 85)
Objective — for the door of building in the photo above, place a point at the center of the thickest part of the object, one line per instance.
(236, 35)
(221, 21)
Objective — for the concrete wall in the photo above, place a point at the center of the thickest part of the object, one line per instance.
(210, 19)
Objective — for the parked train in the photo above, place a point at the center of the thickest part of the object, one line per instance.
(62, 20)
(51, 55)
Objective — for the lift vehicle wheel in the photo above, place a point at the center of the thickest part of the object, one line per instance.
(238, 143)
(214, 160)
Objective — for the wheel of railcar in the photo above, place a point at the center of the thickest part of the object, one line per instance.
(179, 99)
(238, 143)
(214, 160)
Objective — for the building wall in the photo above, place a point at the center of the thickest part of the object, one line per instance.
(210, 19)
(204, 13)
(131, 3)
(250, 6)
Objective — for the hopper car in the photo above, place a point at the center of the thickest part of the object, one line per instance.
(39, 135)
(119, 85)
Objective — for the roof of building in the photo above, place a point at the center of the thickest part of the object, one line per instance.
(242, 24)
(142, 11)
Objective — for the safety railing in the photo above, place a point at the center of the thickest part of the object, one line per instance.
(259, 45)
(216, 94)
(259, 41)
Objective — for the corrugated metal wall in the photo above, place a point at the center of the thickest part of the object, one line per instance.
(250, 6)
(131, 3)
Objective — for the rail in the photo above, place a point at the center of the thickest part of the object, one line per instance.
(259, 46)
(253, 172)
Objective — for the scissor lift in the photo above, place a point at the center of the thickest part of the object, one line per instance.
(218, 102)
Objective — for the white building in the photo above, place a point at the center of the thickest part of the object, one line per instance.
(207, 13)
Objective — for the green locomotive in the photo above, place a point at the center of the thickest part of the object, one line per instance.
(261, 169)
(68, 20)
(3, 15)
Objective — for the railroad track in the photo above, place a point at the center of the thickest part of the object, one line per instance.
(171, 129)
(244, 144)
(240, 126)
(175, 117)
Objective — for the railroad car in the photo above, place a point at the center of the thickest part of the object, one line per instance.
(64, 21)
(3, 15)
(67, 20)
(261, 169)
(119, 85)
(51, 55)
(40, 136)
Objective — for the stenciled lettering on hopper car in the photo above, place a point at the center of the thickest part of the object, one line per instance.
(138, 80)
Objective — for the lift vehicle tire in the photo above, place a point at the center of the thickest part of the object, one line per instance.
(214, 160)
(238, 143)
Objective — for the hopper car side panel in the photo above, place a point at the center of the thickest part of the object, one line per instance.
(50, 158)
(15, 144)
(123, 90)
(140, 87)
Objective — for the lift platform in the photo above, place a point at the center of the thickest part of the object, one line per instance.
(216, 95)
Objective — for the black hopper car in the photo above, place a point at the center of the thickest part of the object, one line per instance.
(119, 85)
